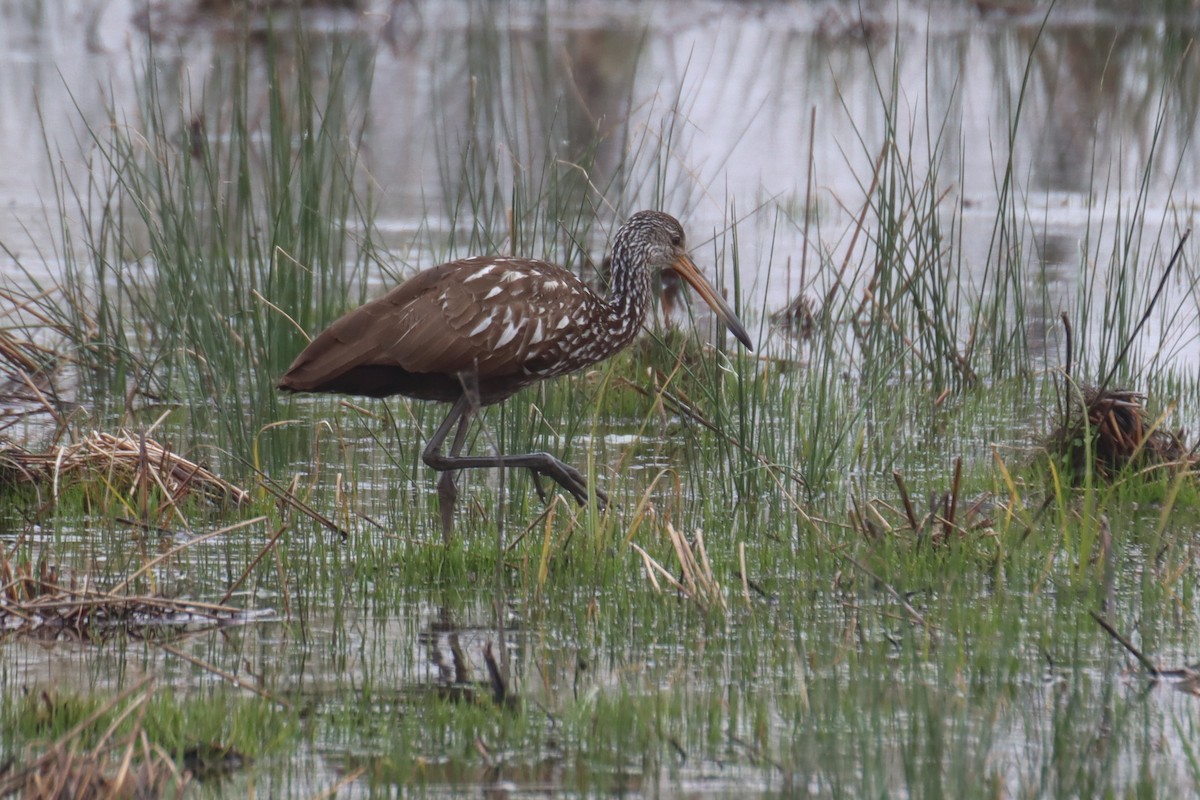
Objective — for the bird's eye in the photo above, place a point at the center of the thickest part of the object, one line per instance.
(676, 240)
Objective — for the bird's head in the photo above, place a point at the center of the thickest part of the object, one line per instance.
(657, 240)
(657, 237)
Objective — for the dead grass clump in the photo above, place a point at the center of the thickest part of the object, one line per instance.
(127, 768)
(126, 462)
(27, 369)
(63, 772)
(1118, 433)
(696, 581)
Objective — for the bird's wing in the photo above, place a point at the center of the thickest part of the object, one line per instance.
(484, 316)
(494, 317)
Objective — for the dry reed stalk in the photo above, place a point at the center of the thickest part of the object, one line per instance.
(696, 581)
(652, 567)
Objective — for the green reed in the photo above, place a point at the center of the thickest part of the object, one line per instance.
(212, 233)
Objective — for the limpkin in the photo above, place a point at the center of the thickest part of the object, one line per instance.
(475, 331)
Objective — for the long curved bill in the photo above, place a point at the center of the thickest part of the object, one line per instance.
(687, 268)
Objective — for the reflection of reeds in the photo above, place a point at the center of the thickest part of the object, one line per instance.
(43, 604)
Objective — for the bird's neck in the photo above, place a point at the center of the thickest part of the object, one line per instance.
(628, 294)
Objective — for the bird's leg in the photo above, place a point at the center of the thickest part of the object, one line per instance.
(447, 490)
(447, 487)
(447, 499)
(561, 473)
(537, 485)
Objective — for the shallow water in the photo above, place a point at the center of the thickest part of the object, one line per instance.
(818, 685)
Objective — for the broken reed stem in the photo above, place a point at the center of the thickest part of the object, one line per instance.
(952, 510)
(653, 566)
(697, 574)
(858, 226)
(687, 562)
(267, 548)
(288, 497)
(1150, 666)
(695, 581)
(908, 506)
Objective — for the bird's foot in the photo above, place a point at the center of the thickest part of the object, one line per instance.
(568, 478)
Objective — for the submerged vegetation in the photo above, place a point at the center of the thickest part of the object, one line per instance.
(901, 549)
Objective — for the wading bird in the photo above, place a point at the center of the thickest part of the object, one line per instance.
(474, 332)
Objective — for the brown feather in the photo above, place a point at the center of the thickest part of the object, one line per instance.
(485, 317)
(496, 323)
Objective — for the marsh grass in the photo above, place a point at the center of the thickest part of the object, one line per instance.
(216, 228)
(894, 589)
(141, 741)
